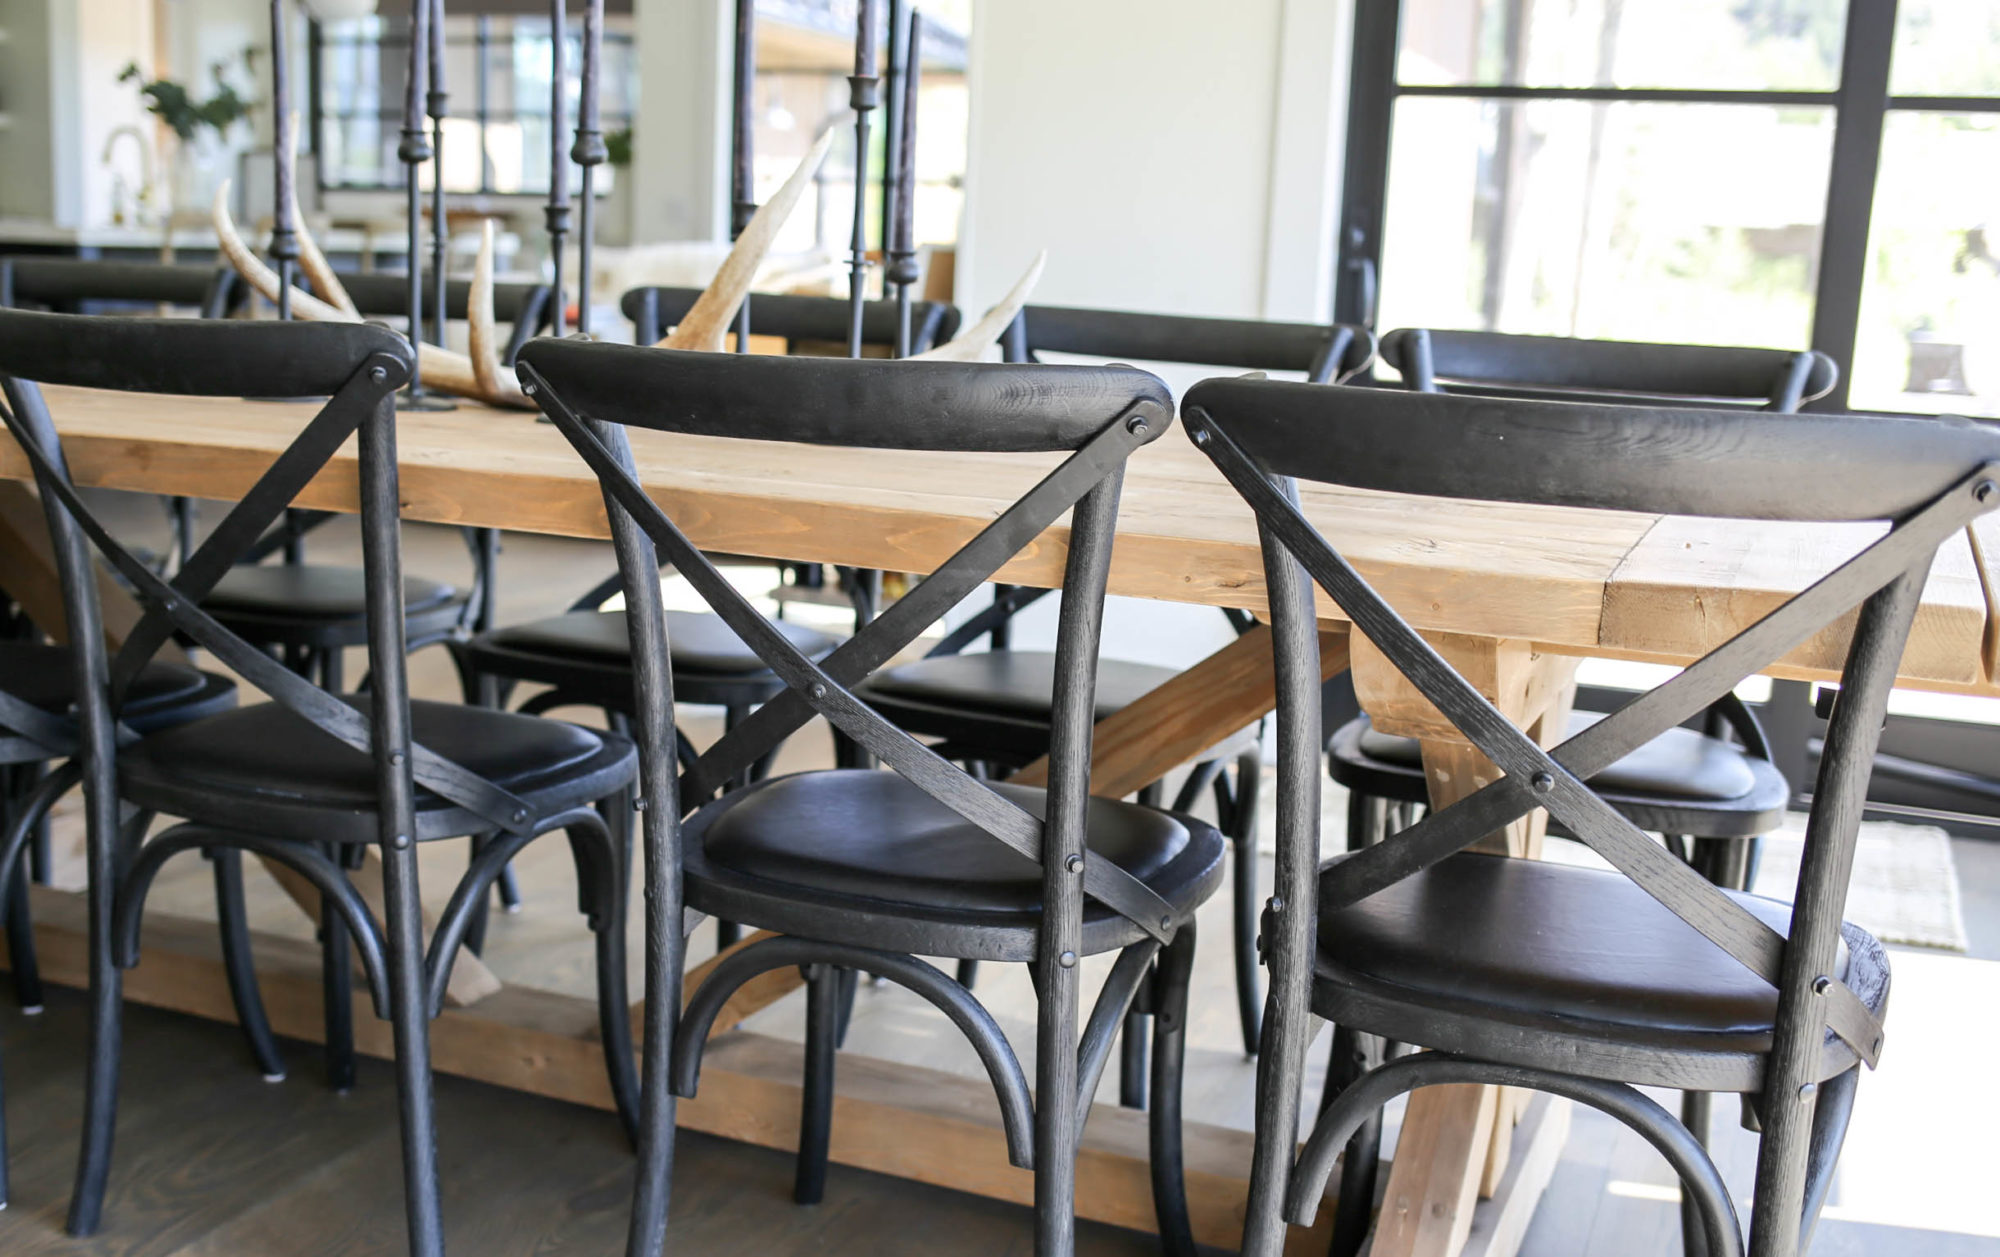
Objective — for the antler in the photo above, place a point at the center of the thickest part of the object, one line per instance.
(971, 344)
(708, 320)
(442, 369)
(318, 271)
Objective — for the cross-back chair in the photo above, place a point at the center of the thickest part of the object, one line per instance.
(1712, 798)
(867, 870)
(991, 708)
(77, 286)
(309, 778)
(582, 655)
(1582, 982)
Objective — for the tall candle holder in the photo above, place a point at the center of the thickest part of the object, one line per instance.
(414, 150)
(865, 95)
(588, 152)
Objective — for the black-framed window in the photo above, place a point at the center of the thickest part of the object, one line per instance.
(497, 79)
(1762, 172)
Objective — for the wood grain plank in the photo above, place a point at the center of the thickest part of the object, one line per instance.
(1173, 724)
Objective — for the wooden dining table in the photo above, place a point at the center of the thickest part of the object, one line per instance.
(1513, 596)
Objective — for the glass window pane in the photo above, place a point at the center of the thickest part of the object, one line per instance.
(1697, 223)
(1929, 337)
(1947, 48)
(1738, 45)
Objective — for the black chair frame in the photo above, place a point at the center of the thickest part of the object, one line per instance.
(1099, 416)
(421, 795)
(1929, 479)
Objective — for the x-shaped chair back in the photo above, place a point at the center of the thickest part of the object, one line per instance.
(1565, 368)
(358, 368)
(1926, 478)
(1098, 416)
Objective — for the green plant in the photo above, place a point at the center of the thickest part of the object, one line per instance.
(174, 105)
(618, 147)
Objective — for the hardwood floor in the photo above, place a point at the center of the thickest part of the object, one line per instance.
(214, 1162)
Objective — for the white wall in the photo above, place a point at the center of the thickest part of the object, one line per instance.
(1175, 156)
(680, 138)
(1178, 156)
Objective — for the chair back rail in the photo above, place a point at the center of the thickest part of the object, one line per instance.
(1097, 415)
(1324, 352)
(68, 284)
(1927, 478)
(1577, 369)
(655, 310)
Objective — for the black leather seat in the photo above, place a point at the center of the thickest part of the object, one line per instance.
(880, 848)
(162, 695)
(1681, 782)
(268, 769)
(997, 699)
(322, 606)
(318, 592)
(1512, 959)
(587, 656)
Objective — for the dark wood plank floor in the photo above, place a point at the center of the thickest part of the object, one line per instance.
(214, 1162)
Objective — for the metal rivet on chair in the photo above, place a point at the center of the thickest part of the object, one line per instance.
(400, 841)
(1074, 864)
(1136, 425)
(1542, 782)
(1983, 491)
(1067, 960)
(819, 691)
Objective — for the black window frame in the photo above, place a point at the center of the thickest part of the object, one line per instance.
(482, 41)
(1861, 103)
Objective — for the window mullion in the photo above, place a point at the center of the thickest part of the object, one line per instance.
(1860, 107)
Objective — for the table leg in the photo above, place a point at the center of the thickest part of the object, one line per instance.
(1455, 1141)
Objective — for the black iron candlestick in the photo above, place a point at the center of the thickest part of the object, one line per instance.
(902, 245)
(556, 215)
(865, 96)
(743, 168)
(892, 113)
(284, 228)
(415, 152)
(436, 101)
(589, 153)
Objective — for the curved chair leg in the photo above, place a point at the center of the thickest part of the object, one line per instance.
(1694, 1116)
(1242, 825)
(1355, 1207)
(823, 987)
(1700, 1180)
(600, 874)
(475, 930)
(238, 964)
(337, 992)
(509, 888)
(1170, 1000)
(1132, 1059)
(107, 1013)
(968, 973)
(21, 940)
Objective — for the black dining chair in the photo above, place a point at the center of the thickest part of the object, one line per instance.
(309, 777)
(992, 708)
(88, 286)
(867, 870)
(1710, 797)
(1583, 982)
(312, 612)
(582, 655)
